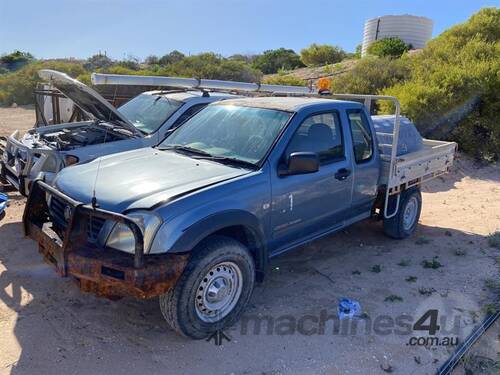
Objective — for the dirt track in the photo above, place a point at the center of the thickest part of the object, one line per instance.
(48, 326)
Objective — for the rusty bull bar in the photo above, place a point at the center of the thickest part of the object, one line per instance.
(101, 270)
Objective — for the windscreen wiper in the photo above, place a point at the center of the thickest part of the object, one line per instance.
(229, 160)
(188, 149)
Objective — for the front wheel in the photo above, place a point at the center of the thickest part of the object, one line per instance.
(213, 290)
(404, 223)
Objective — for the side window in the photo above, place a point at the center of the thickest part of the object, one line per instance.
(321, 134)
(188, 113)
(361, 136)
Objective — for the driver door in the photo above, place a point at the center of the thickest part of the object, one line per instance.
(307, 205)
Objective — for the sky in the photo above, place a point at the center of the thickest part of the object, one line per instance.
(122, 28)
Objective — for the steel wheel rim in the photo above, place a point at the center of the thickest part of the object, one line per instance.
(410, 213)
(218, 292)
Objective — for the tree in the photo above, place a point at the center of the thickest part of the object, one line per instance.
(392, 47)
(271, 61)
(152, 60)
(98, 61)
(15, 60)
(171, 58)
(321, 54)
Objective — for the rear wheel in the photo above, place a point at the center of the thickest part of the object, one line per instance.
(404, 223)
(213, 290)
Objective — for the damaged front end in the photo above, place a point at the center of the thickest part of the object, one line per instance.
(42, 152)
(20, 163)
(62, 229)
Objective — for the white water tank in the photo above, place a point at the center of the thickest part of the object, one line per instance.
(412, 30)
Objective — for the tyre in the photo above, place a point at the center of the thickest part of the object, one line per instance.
(212, 291)
(404, 223)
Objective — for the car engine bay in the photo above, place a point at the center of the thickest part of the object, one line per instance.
(71, 138)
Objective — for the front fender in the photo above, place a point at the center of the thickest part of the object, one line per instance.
(187, 238)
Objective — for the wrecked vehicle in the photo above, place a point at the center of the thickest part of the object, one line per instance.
(143, 121)
(240, 182)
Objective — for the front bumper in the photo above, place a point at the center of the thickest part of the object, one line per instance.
(14, 169)
(103, 271)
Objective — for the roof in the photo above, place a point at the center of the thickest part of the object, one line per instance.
(183, 96)
(289, 104)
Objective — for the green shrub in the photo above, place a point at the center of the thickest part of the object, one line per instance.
(321, 54)
(272, 61)
(370, 75)
(453, 90)
(171, 58)
(388, 47)
(15, 60)
(98, 61)
(17, 87)
(284, 80)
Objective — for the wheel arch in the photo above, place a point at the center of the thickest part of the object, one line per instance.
(237, 224)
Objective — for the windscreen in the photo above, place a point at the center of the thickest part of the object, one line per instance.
(148, 112)
(242, 133)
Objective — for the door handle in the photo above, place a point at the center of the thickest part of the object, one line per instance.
(342, 174)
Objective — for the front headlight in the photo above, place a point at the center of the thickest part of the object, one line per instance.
(122, 238)
(50, 164)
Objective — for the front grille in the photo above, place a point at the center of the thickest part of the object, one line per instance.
(94, 226)
(57, 207)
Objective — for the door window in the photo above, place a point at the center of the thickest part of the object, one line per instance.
(361, 136)
(321, 134)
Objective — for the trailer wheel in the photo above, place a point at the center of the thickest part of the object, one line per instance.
(403, 224)
(213, 290)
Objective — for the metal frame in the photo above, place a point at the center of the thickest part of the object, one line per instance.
(79, 208)
(100, 270)
(41, 94)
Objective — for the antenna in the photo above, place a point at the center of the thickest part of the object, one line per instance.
(94, 198)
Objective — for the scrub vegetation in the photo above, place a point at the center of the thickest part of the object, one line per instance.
(450, 89)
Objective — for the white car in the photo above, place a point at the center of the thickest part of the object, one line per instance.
(143, 121)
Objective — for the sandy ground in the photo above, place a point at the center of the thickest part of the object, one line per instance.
(48, 326)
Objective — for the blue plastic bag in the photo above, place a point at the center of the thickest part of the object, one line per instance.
(348, 308)
(4, 199)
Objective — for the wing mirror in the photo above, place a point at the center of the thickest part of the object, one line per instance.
(300, 163)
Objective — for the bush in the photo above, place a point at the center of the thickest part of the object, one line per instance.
(152, 60)
(453, 91)
(171, 58)
(321, 54)
(388, 47)
(281, 79)
(370, 75)
(212, 66)
(98, 61)
(130, 62)
(17, 87)
(15, 60)
(272, 61)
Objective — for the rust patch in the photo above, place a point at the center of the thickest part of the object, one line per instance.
(103, 271)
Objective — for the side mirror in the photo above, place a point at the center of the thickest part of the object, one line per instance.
(300, 163)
